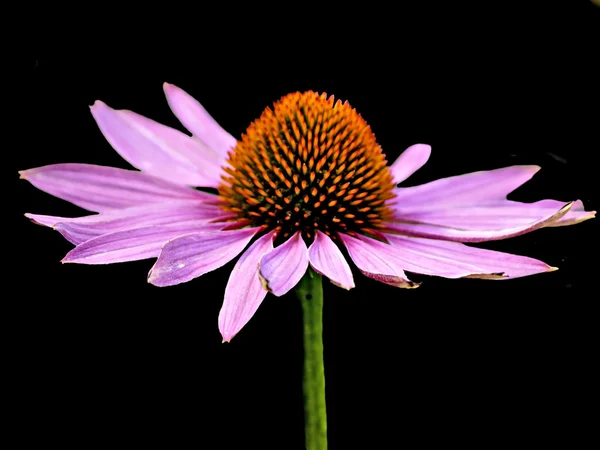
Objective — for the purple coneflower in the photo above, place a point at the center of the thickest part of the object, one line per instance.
(307, 181)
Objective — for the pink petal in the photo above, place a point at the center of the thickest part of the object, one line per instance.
(244, 292)
(197, 209)
(506, 214)
(326, 258)
(130, 245)
(188, 257)
(477, 188)
(409, 161)
(157, 149)
(476, 235)
(81, 229)
(100, 188)
(374, 260)
(455, 260)
(194, 117)
(282, 268)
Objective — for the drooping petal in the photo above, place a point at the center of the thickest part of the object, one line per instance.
(79, 233)
(100, 188)
(409, 161)
(130, 245)
(81, 229)
(475, 235)
(188, 257)
(282, 268)
(368, 256)
(326, 258)
(198, 121)
(507, 214)
(456, 260)
(157, 149)
(477, 188)
(244, 292)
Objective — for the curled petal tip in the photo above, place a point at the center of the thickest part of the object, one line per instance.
(348, 287)
(150, 277)
(552, 269)
(568, 206)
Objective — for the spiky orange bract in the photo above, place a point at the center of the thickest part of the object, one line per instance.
(307, 164)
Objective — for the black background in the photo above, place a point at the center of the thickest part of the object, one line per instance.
(101, 356)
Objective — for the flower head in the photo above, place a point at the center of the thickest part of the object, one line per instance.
(309, 165)
(306, 182)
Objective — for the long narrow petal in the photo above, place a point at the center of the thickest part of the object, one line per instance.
(188, 257)
(194, 208)
(282, 268)
(327, 259)
(244, 292)
(81, 229)
(100, 188)
(507, 214)
(79, 233)
(198, 121)
(157, 149)
(477, 188)
(477, 235)
(368, 256)
(456, 260)
(409, 161)
(131, 245)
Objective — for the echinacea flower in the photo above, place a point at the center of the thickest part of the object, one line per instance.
(306, 182)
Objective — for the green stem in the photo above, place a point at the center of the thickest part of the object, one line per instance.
(310, 294)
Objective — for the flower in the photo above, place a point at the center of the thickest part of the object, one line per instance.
(309, 170)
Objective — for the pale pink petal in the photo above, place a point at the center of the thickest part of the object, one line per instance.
(196, 209)
(374, 261)
(196, 119)
(500, 215)
(157, 149)
(507, 214)
(409, 161)
(476, 235)
(188, 257)
(326, 259)
(100, 188)
(282, 268)
(134, 217)
(81, 229)
(244, 292)
(477, 188)
(455, 260)
(130, 245)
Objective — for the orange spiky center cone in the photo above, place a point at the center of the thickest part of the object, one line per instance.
(308, 164)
